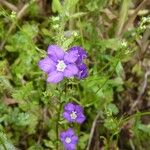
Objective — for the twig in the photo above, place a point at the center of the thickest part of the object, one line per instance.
(9, 5)
(141, 91)
(92, 130)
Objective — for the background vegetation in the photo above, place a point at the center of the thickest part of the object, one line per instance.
(116, 93)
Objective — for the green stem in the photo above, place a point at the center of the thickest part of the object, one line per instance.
(135, 115)
(57, 125)
(59, 111)
(107, 78)
(80, 27)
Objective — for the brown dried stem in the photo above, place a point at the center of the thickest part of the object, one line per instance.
(9, 5)
(143, 88)
(92, 130)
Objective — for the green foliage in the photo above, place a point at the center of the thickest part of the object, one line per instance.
(83, 141)
(31, 109)
(4, 143)
(96, 5)
(141, 129)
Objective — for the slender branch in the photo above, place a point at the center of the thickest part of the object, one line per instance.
(141, 91)
(9, 5)
(92, 130)
(135, 115)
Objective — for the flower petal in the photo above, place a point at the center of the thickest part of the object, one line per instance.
(71, 56)
(70, 132)
(71, 146)
(55, 77)
(55, 52)
(47, 65)
(82, 73)
(66, 115)
(81, 118)
(81, 53)
(78, 109)
(70, 71)
(62, 136)
(69, 107)
(74, 139)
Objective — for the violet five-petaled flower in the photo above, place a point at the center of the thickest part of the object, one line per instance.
(69, 139)
(59, 64)
(73, 113)
(82, 73)
(82, 69)
(81, 53)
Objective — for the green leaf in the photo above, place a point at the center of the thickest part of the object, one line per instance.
(112, 108)
(24, 92)
(56, 6)
(144, 128)
(116, 82)
(68, 42)
(96, 5)
(4, 143)
(52, 135)
(49, 144)
(137, 69)
(111, 124)
(83, 141)
(114, 44)
(120, 70)
(5, 84)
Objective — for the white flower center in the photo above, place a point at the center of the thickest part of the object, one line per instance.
(68, 140)
(73, 115)
(61, 65)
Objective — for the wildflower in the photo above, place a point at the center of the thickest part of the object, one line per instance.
(81, 53)
(59, 64)
(73, 113)
(82, 69)
(82, 73)
(69, 139)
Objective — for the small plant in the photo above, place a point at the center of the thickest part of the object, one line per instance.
(74, 75)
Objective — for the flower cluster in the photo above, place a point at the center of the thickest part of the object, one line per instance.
(72, 113)
(59, 64)
(82, 69)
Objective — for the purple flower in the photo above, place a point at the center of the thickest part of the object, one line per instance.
(82, 73)
(73, 113)
(81, 53)
(69, 139)
(82, 69)
(59, 64)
